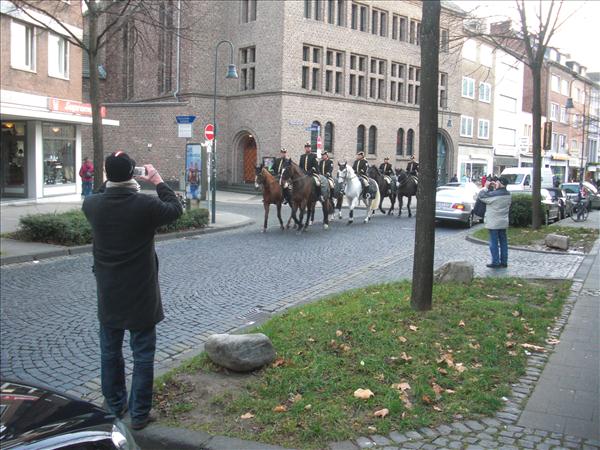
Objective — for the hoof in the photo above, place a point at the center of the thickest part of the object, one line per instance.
(310, 223)
(350, 222)
(264, 230)
(367, 220)
(325, 226)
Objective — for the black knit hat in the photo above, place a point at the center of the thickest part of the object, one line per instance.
(119, 166)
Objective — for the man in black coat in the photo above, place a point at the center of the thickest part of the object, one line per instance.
(412, 167)
(308, 161)
(281, 163)
(326, 166)
(360, 167)
(386, 169)
(126, 268)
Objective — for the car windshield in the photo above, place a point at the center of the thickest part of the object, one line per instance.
(514, 178)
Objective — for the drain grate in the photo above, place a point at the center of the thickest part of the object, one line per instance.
(254, 314)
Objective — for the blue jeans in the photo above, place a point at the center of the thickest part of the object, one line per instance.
(112, 373)
(86, 188)
(499, 246)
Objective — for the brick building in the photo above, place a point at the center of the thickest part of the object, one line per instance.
(40, 101)
(348, 69)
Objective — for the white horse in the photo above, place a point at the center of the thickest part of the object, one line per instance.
(352, 188)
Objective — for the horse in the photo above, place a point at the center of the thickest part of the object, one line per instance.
(305, 195)
(352, 188)
(386, 188)
(272, 193)
(335, 200)
(407, 187)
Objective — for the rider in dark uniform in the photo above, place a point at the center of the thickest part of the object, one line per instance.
(361, 166)
(386, 169)
(281, 163)
(308, 161)
(412, 167)
(326, 166)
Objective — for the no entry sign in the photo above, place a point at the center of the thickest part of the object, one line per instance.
(209, 132)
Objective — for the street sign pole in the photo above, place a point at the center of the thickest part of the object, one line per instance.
(209, 134)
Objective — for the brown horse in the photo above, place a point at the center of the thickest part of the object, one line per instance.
(272, 193)
(305, 195)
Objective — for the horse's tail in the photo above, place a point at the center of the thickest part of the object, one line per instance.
(376, 200)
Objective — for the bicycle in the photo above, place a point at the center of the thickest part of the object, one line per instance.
(579, 210)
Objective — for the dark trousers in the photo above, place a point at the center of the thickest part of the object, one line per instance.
(112, 373)
(499, 246)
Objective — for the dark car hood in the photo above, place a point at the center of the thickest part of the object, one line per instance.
(30, 413)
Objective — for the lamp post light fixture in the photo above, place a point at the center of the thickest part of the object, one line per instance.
(231, 73)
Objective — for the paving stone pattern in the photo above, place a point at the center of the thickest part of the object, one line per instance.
(216, 283)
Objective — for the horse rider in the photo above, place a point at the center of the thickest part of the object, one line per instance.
(281, 163)
(326, 166)
(386, 170)
(413, 166)
(360, 167)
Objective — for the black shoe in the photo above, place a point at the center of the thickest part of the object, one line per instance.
(141, 424)
(493, 266)
(504, 266)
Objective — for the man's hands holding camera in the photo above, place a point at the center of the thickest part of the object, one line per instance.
(152, 175)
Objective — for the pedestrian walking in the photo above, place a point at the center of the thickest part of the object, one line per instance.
(87, 177)
(123, 223)
(497, 201)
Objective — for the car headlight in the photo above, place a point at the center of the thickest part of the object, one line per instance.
(121, 437)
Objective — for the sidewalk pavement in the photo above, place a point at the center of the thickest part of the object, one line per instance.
(15, 251)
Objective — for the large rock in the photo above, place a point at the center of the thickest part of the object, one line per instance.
(454, 272)
(557, 241)
(240, 352)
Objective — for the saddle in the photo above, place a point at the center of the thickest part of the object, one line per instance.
(371, 189)
(317, 179)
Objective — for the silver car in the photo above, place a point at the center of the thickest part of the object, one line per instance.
(455, 201)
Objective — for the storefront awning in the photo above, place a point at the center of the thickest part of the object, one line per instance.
(505, 161)
(560, 157)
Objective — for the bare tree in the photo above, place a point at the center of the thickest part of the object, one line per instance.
(529, 45)
(103, 19)
(422, 280)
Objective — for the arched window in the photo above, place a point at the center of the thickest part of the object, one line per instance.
(400, 142)
(314, 133)
(328, 147)
(372, 140)
(410, 140)
(360, 139)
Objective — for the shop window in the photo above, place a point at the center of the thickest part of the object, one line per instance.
(12, 158)
(59, 153)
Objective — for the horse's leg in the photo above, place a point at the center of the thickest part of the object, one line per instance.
(400, 201)
(325, 205)
(340, 201)
(370, 210)
(351, 213)
(408, 206)
(381, 203)
(393, 202)
(266, 205)
(279, 214)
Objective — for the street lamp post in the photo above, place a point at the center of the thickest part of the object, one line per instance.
(231, 73)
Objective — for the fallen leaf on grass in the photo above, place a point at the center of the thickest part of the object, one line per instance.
(380, 377)
(450, 391)
(460, 367)
(406, 401)
(447, 358)
(402, 339)
(552, 341)
(512, 353)
(442, 371)
(248, 415)
(296, 398)
(280, 408)
(307, 407)
(278, 362)
(405, 357)
(427, 399)
(372, 328)
(338, 333)
(510, 344)
(372, 429)
(437, 408)
(345, 348)
(461, 324)
(516, 313)
(534, 348)
(474, 346)
(363, 394)
(381, 413)
(491, 296)
(401, 386)
(437, 389)
(413, 328)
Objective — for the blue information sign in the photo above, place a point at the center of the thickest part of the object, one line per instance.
(185, 119)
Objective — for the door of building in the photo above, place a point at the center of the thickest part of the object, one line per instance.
(442, 153)
(249, 160)
(12, 159)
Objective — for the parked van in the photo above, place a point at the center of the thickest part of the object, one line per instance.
(521, 178)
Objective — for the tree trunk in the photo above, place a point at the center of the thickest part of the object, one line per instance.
(536, 110)
(422, 280)
(97, 140)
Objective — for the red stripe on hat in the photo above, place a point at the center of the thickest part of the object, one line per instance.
(119, 152)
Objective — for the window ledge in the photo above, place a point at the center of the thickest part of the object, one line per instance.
(59, 77)
(23, 69)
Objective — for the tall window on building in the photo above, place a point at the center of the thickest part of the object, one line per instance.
(128, 60)
(443, 90)
(360, 139)
(444, 40)
(483, 131)
(359, 17)
(358, 75)
(398, 82)
(311, 68)
(485, 92)
(314, 134)
(372, 140)
(247, 68)
(329, 134)
(334, 75)
(22, 46)
(468, 87)
(555, 83)
(466, 126)
(58, 56)
(307, 9)
(165, 47)
(413, 96)
(377, 79)
(415, 32)
(400, 142)
(378, 22)
(410, 142)
(331, 11)
(341, 13)
(248, 13)
(400, 28)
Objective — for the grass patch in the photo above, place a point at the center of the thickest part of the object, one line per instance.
(458, 361)
(579, 238)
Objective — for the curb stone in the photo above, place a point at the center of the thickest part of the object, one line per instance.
(475, 240)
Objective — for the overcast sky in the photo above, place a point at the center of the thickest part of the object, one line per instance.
(579, 36)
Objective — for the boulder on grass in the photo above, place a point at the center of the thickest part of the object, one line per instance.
(240, 352)
(557, 241)
(454, 272)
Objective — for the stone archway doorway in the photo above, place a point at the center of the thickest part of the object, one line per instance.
(442, 159)
(248, 149)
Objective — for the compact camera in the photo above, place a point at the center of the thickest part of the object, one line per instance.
(139, 171)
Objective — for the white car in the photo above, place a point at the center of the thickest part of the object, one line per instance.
(455, 201)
